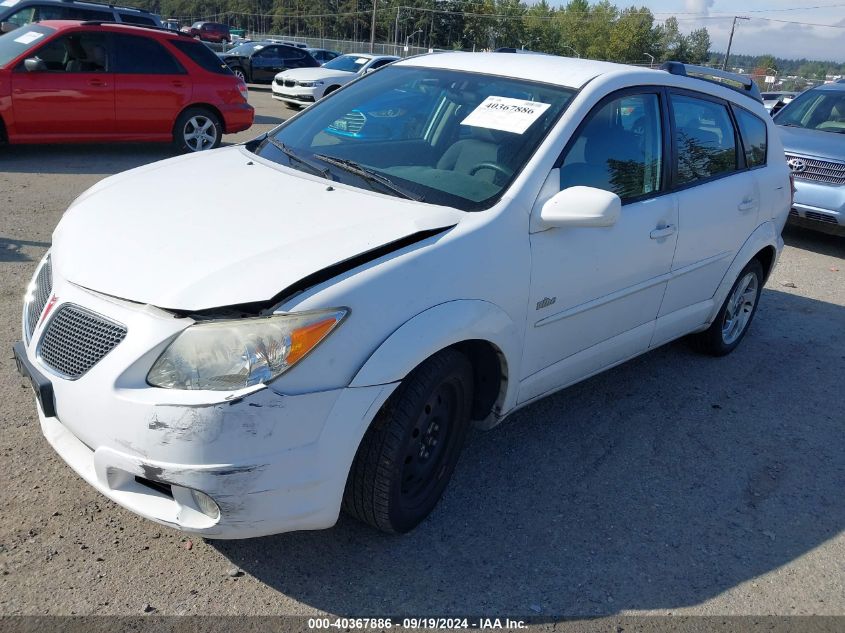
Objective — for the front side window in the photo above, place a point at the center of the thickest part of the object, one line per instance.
(144, 56)
(439, 136)
(822, 110)
(75, 53)
(618, 149)
(754, 139)
(705, 141)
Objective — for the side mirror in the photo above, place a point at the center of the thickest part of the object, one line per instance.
(581, 207)
(33, 64)
(7, 27)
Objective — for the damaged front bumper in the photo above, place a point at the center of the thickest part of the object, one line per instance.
(271, 462)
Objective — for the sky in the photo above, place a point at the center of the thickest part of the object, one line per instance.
(760, 36)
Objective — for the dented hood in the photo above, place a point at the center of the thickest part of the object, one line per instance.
(222, 228)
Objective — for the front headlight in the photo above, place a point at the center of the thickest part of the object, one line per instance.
(309, 84)
(229, 355)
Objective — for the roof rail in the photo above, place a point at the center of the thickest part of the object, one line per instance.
(740, 83)
(110, 5)
(151, 27)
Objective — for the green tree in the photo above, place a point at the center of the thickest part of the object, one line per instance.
(632, 36)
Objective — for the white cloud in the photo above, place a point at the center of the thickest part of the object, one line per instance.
(699, 6)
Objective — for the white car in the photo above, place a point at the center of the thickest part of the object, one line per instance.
(526, 222)
(304, 86)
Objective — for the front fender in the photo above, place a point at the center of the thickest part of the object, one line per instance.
(437, 328)
(763, 236)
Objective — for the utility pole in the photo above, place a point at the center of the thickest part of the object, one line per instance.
(396, 32)
(731, 39)
(373, 27)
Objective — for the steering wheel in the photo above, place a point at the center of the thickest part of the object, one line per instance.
(499, 169)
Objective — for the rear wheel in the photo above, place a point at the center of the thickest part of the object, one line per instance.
(240, 74)
(736, 314)
(409, 452)
(197, 129)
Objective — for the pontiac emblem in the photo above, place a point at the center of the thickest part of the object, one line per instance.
(797, 165)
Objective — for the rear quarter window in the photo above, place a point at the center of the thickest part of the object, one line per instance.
(133, 18)
(201, 55)
(753, 132)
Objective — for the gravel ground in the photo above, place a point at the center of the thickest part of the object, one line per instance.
(672, 484)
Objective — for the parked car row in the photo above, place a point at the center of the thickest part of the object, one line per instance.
(70, 81)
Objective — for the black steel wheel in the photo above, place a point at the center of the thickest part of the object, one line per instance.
(410, 450)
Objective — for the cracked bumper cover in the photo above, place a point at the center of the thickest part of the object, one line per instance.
(272, 462)
(295, 483)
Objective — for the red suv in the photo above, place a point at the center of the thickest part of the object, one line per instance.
(209, 31)
(63, 81)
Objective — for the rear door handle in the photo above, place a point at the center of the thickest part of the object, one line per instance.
(747, 204)
(664, 231)
(97, 83)
(178, 84)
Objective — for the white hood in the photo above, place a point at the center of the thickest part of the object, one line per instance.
(316, 74)
(221, 228)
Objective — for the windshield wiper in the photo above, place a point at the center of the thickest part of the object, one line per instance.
(368, 174)
(322, 171)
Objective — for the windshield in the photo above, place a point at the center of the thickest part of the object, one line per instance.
(822, 110)
(347, 63)
(18, 42)
(446, 137)
(246, 49)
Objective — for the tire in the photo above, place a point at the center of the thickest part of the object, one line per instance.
(409, 452)
(735, 316)
(240, 73)
(330, 90)
(197, 129)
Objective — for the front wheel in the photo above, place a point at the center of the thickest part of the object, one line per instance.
(736, 314)
(410, 450)
(240, 74)
(197, 129)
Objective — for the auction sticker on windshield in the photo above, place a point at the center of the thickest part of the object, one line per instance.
(29, 37)
(506, 114)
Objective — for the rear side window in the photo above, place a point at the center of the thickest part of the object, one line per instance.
(41, 12)
(754, 140)
(202, 56)
(705, 140)
(142, 55)
(134, 18)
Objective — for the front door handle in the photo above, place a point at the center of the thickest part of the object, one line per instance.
(663, 231)
(747, 204)
(97, 83)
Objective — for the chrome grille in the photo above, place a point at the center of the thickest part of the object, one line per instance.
(819, 170)
(820, 217)
(76, 339)
(351, 122)
(38, 295)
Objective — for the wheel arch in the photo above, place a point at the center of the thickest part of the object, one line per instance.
(4, 133)
(203, 106)
(765, 244)
(479, 329)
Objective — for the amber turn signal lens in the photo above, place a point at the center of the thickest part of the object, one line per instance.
(304, 339)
